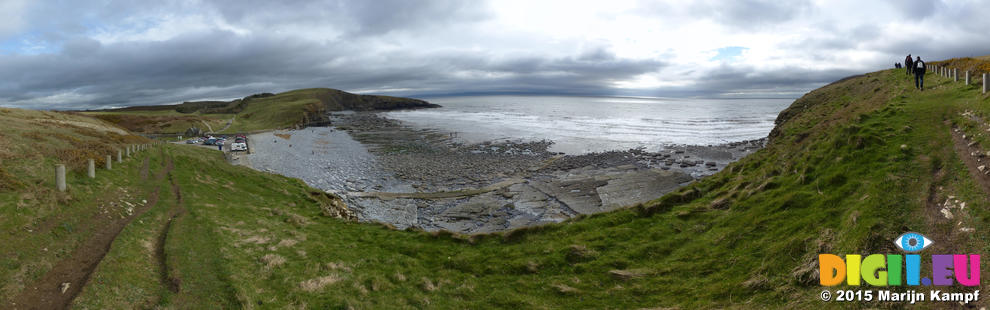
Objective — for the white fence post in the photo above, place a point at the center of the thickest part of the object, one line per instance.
(967, 77)
(91, 169)
(60, 177)
(110, 162)
(984, 83)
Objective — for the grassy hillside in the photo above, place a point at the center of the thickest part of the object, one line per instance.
(252, 113)
(849, 167)
(162, 121)
(40, 225)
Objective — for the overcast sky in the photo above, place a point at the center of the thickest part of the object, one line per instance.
(92, 54)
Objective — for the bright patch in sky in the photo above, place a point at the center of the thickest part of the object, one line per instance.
(729, 53)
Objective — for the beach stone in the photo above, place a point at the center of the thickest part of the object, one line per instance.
(521, 220)
(457, 226)
(498, 223)
(626, 167)
(401, 213)
(465, 217)
(474, 208)
(639, 187)
(527, 193)
(585, 202)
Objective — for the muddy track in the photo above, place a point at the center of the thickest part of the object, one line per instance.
(941, 229)
(964, 150)
(50, 291)
(944, 231)
(168, 280)
(953, 240)
(936, 225)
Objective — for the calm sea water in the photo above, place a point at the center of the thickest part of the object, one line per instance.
(590, 124)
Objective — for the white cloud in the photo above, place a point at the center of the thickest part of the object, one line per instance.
(162, 28)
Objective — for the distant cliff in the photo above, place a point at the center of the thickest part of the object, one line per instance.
(302, 107)
(331, 99)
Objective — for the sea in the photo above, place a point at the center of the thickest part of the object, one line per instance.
(579, 125)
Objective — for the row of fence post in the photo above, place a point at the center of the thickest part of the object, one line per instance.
(954, 74)
(91, 163)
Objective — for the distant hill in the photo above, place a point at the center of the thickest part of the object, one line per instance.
(255, 112)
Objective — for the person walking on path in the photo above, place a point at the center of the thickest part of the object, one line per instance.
(919, 74)
(908, 64)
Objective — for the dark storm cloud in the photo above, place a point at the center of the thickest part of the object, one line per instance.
(72, 55)
(221, 65)
(595, 65)
(916, 9)
(748, 14)
(447, 73)
(353, 17)
(783, 81)
(215, 58)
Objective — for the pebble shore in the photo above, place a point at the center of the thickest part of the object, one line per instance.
(392, 173)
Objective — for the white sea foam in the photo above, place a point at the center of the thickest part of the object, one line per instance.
(587, 124)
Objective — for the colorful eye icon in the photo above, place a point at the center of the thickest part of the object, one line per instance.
(912, 242)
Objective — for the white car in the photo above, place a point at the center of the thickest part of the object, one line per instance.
(239, 145)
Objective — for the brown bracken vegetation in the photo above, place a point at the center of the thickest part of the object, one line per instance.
(976, 66)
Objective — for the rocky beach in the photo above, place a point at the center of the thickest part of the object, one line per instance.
(392, 173)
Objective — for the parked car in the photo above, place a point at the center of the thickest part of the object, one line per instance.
(191, 141)
(240, 144)
(210, 141)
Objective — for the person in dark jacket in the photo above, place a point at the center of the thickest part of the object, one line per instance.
(919, 73)
(908, 65)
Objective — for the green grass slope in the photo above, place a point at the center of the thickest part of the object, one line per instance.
(40, 225)
(849, 167)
